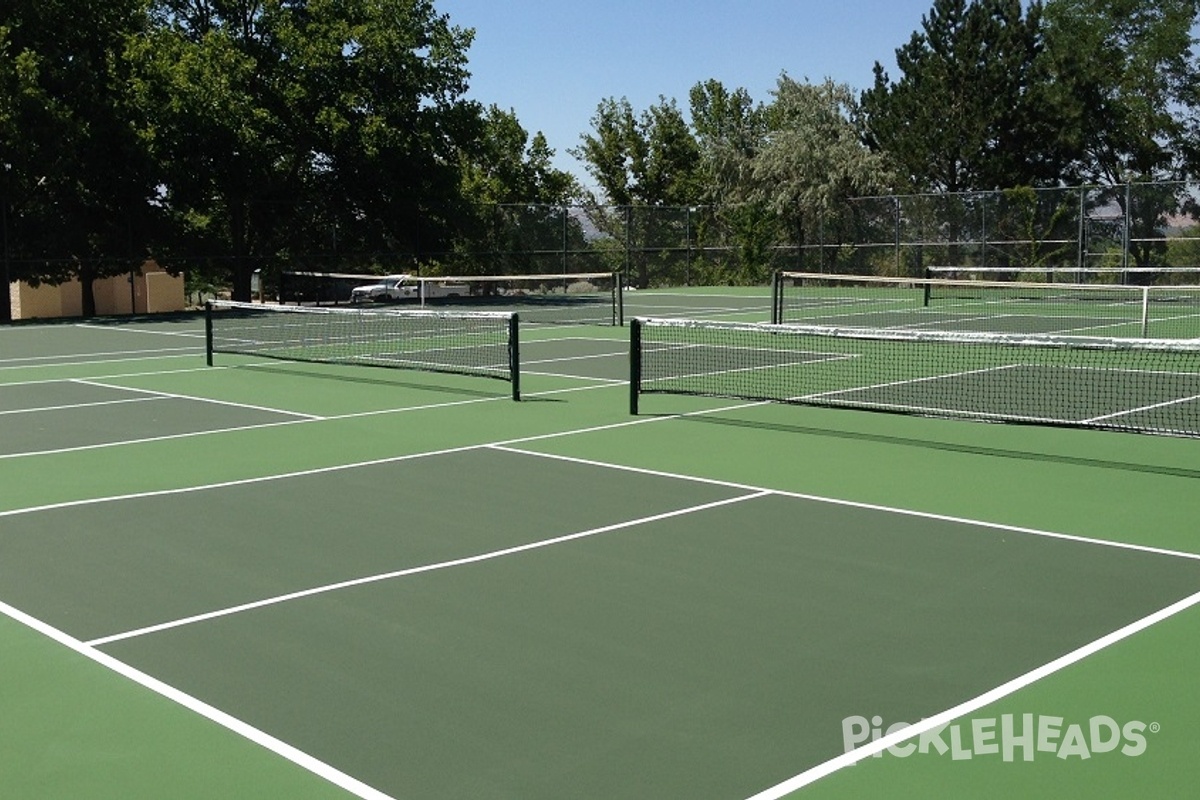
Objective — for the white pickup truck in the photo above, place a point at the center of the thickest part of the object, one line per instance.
(395, 288)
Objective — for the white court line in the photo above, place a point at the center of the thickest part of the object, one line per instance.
(1129, 411)
(561, 359)
(40, 409)
(601, 383)
(148, 439)
(184, 334)
(605, 381)
(355, 465)
(173, 396)
(98, 361)
(227, 721)
(402, 573)
(194, 349)
(810, 775)
(508, 448)
(509, 445)
(991, 696)
(114, 376)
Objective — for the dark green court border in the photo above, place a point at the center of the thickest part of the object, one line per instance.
(701, 653)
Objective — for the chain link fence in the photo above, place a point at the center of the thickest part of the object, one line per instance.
(1112, 227)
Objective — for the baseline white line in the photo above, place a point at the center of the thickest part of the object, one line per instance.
(624, 352)
(403, 573)
(228, 484)
(150, 439)
(355, 465)
(264, 425)
(174, 396)
(609, 381)
(185, 334)
(506, 447)
(79, 405)
(98, 361)
(194, 349)
(114, 376)
(1151, 407)
(227, 721)
(949, 715)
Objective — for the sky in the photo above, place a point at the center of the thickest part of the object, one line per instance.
(553, 61)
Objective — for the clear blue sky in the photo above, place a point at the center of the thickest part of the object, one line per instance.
(553, 61)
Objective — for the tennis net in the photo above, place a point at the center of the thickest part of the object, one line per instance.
(1133, 276)
(1160, 312)
(1112, 383)
(321, 288)
(584, 298)
(468, 343)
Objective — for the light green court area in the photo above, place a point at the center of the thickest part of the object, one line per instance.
(269, 579)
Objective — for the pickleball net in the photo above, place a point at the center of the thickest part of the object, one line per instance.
(583, 298)
(477, 343)
(989, 306)
(1150, 386)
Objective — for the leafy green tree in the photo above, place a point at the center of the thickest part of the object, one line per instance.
(608, 153)
(517, 197)
(641, 163)
(650, 159)
(277, 121)
(729, 128)
(1126, 79)
(1129, 78)
(507, 166)
(77, 183)
(969, 110)
(812, 159)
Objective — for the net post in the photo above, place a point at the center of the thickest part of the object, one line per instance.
(514, 355)
(926, 288)
(1145, 310)
(208, 333)
(776, 297)
(635, 363)
(619, 300)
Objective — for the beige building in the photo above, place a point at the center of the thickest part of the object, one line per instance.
(151, 291)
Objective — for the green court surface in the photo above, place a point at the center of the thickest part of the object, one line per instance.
(274, 579)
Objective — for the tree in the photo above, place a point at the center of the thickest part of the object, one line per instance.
(729, 128)
(77, 180)
(970, 109)
(277, 121)
(516, 194)
(812, 159)
(1126, 76)
(643, 164)
(651, 159)
(609, 152)
(507, 166)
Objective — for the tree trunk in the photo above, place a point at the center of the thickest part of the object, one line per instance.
(87, 274)
(242, 267)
